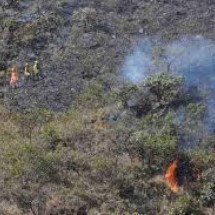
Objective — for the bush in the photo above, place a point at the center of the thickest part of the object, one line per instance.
(165, 86)
(156, 139)
(185, 205)
(94, 96)
(46, 165)
(63, 126)
(102, 163)
(207, 195)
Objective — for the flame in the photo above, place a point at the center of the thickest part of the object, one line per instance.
(171, 178)
(14, 77)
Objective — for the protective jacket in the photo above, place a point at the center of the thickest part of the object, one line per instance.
(36, 68)
(27, 70)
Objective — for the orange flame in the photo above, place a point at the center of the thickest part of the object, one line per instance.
(171, 178)
(14, 77)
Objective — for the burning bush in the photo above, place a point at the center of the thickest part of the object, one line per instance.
(180, 173)
(171, 176)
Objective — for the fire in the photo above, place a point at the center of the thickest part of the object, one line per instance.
(171, 177)
(14, 77)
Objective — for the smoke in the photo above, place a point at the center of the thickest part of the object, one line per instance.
(191, 57)
(194, 58)
(139, 65)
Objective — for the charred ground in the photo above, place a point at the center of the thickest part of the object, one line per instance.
(78, 41)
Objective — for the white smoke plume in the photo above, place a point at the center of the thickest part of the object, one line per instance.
(193, 57)
(138, 65)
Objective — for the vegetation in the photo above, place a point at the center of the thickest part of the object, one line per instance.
(82, 141)
(101, 158)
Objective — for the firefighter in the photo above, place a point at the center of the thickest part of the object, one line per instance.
(14, 78)
(37, 70)
(27, 72)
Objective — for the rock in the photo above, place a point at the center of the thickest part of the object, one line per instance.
(88, 40)
(141, 30)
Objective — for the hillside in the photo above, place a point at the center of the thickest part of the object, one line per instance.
(82, 40)
(122, 121)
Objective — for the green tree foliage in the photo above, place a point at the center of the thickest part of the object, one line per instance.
(65, 163)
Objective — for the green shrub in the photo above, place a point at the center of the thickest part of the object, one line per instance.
(126, 92)
(102, 163)
(46, 165)
(157, 136)
(185, 205)
(196, 111)
(166, 86)
(92, 97)
(207, 194)
(19, 157)
(63, 126)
